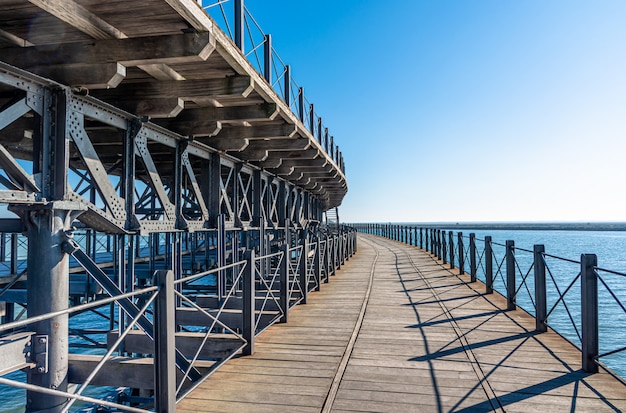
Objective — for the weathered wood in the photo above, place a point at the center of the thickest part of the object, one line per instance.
(168, 49)
(119, 371)
(91, 76)
(216, 346)
(183, 89)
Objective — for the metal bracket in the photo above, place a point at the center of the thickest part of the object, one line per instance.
(39, 353)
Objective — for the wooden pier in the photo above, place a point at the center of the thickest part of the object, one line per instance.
(398, 331)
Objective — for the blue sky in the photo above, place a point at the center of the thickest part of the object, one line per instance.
(458, 110)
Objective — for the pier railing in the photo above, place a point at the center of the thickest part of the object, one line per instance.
(175, 330)
(562, 294)
(239, 24)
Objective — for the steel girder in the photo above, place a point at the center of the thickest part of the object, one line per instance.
(130, 175)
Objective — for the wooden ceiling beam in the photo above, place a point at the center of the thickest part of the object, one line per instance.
(277, 131)
(136, 51)
(90, 76)
(79, 17)
(201, 122)
(183, 89)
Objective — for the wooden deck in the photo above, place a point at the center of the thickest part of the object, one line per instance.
(421, 339)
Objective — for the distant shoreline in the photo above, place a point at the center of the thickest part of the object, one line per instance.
(523, 226)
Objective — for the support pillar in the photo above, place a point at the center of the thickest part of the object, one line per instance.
(48, 291)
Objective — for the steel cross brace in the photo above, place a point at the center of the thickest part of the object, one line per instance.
(70, 247)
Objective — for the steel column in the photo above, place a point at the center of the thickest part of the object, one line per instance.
(48, 291)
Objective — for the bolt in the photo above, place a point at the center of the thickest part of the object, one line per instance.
(42, 340)
(41, 370)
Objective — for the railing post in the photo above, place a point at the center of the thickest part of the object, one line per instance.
(443, 246)
(541, 309)
(287, 85)
(304, 270)
(239, 24)
(589, 309)
(248, 311)
(421, 239)
(317, 262)
(510, 275)
(440, 249)
(267, 58)
(488, 266)
(326, 262)
(164, 345)
(473, 268)
(451, 252)
(283, 293)
(301, 104)
(221, 256)
(461, 249)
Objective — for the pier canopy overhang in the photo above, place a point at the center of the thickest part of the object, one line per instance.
(166, 61)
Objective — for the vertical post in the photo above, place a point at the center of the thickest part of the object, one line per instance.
(267, 58)
(284, 274)
(510, 275)
(312, 119)
(473, 268)
(3, 247)
(461, 249)
(451, 244)
(287, 85)
(47, 291)
(14, 253)
(304, 267)
(540, 289)
(317, 261)
(239, 24)
(164, 345)
(249, 321)
(301, 104)
(421, 239)
(488, 265)
(589, 308)
(221, 256)
(443, 254)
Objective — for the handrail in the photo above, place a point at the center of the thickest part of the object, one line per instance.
(565, 301)
(272, 67)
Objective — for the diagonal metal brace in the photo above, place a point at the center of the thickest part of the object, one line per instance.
(70, 247)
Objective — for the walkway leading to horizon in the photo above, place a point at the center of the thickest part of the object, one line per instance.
(396, 331)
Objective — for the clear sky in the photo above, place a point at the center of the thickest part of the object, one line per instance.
(459, 110)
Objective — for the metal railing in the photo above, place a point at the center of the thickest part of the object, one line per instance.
(562, 294)
(181, 327)
(239, 24)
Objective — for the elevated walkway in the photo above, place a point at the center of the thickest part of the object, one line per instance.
(398, 332)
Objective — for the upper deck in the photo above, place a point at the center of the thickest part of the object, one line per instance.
(167, 62)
